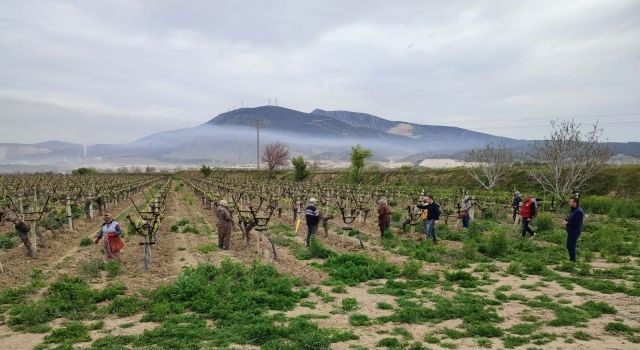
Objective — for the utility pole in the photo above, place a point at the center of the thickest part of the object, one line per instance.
(258, 143)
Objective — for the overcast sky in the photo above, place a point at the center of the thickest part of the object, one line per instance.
(114, 71)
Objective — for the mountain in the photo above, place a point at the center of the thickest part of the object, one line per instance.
(229, 139)
(434, 137)
(54, 152)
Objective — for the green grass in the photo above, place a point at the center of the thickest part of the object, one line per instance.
(71, 333)
(124, 306)
(207, 248)
(84, 242)
(618, 327)
(349, 304)
(384, 306)
(359, 320)
(352, 269)
(68, 297)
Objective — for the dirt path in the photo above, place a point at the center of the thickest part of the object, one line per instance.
(60, 248)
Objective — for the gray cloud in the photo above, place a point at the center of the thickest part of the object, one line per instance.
(503, 67)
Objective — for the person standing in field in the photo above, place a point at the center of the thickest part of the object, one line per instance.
(515, 204)
(312, 216)
(384, 215)
(433, 214)
(528, 212)
(110, 232)
(574, 227)
(465, 208)
(224, 225)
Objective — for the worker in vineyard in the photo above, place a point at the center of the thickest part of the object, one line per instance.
(110, 233)
(384, 215)
(515, 204)
(574, 227)
(224, 224)
(528, 212)
(433, 215)
(312, 215)
(465, 210)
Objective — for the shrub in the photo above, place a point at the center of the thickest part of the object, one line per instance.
(391, 343)
(470, 249)
(85, 242)
(6, 242)
(207, 248)
(352, 269)
(125, 306)
(514, 268)
(359, 320)
(71, 333)
(317, 249)
(113, 268)
(300, 168)
(494, 245)
(349, 304)
(411, 269)
(544, 222)
(617, 327)
(384, 306)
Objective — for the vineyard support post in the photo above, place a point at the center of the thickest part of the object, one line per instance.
(90, 207)
(34, 242)
(69, 216)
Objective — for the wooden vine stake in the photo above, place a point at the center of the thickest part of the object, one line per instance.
(69, 216)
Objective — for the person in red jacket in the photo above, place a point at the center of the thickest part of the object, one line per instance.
(528, 211)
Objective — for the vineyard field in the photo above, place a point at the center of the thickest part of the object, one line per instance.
(481, 287)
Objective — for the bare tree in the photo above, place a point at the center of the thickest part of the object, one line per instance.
(493, 163)
(275, 155)
(569, 158)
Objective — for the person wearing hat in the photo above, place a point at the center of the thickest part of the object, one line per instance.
(384, 215)
(110, 232)
(515, 204)
(433, 215)
(224, 224)
(465, 208)
(312, 215)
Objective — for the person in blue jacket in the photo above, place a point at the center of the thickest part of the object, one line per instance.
(574, 227)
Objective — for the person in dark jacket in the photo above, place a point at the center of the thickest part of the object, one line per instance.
(528, 211)
(515, 204)
(312, 215)
(465, 209)
(574, 227)
(433, 214)
(384, 215)
(224, 225)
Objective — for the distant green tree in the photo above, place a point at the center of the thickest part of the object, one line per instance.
(206, 170)
(83, 171)
(300, 167)
(358, 156)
